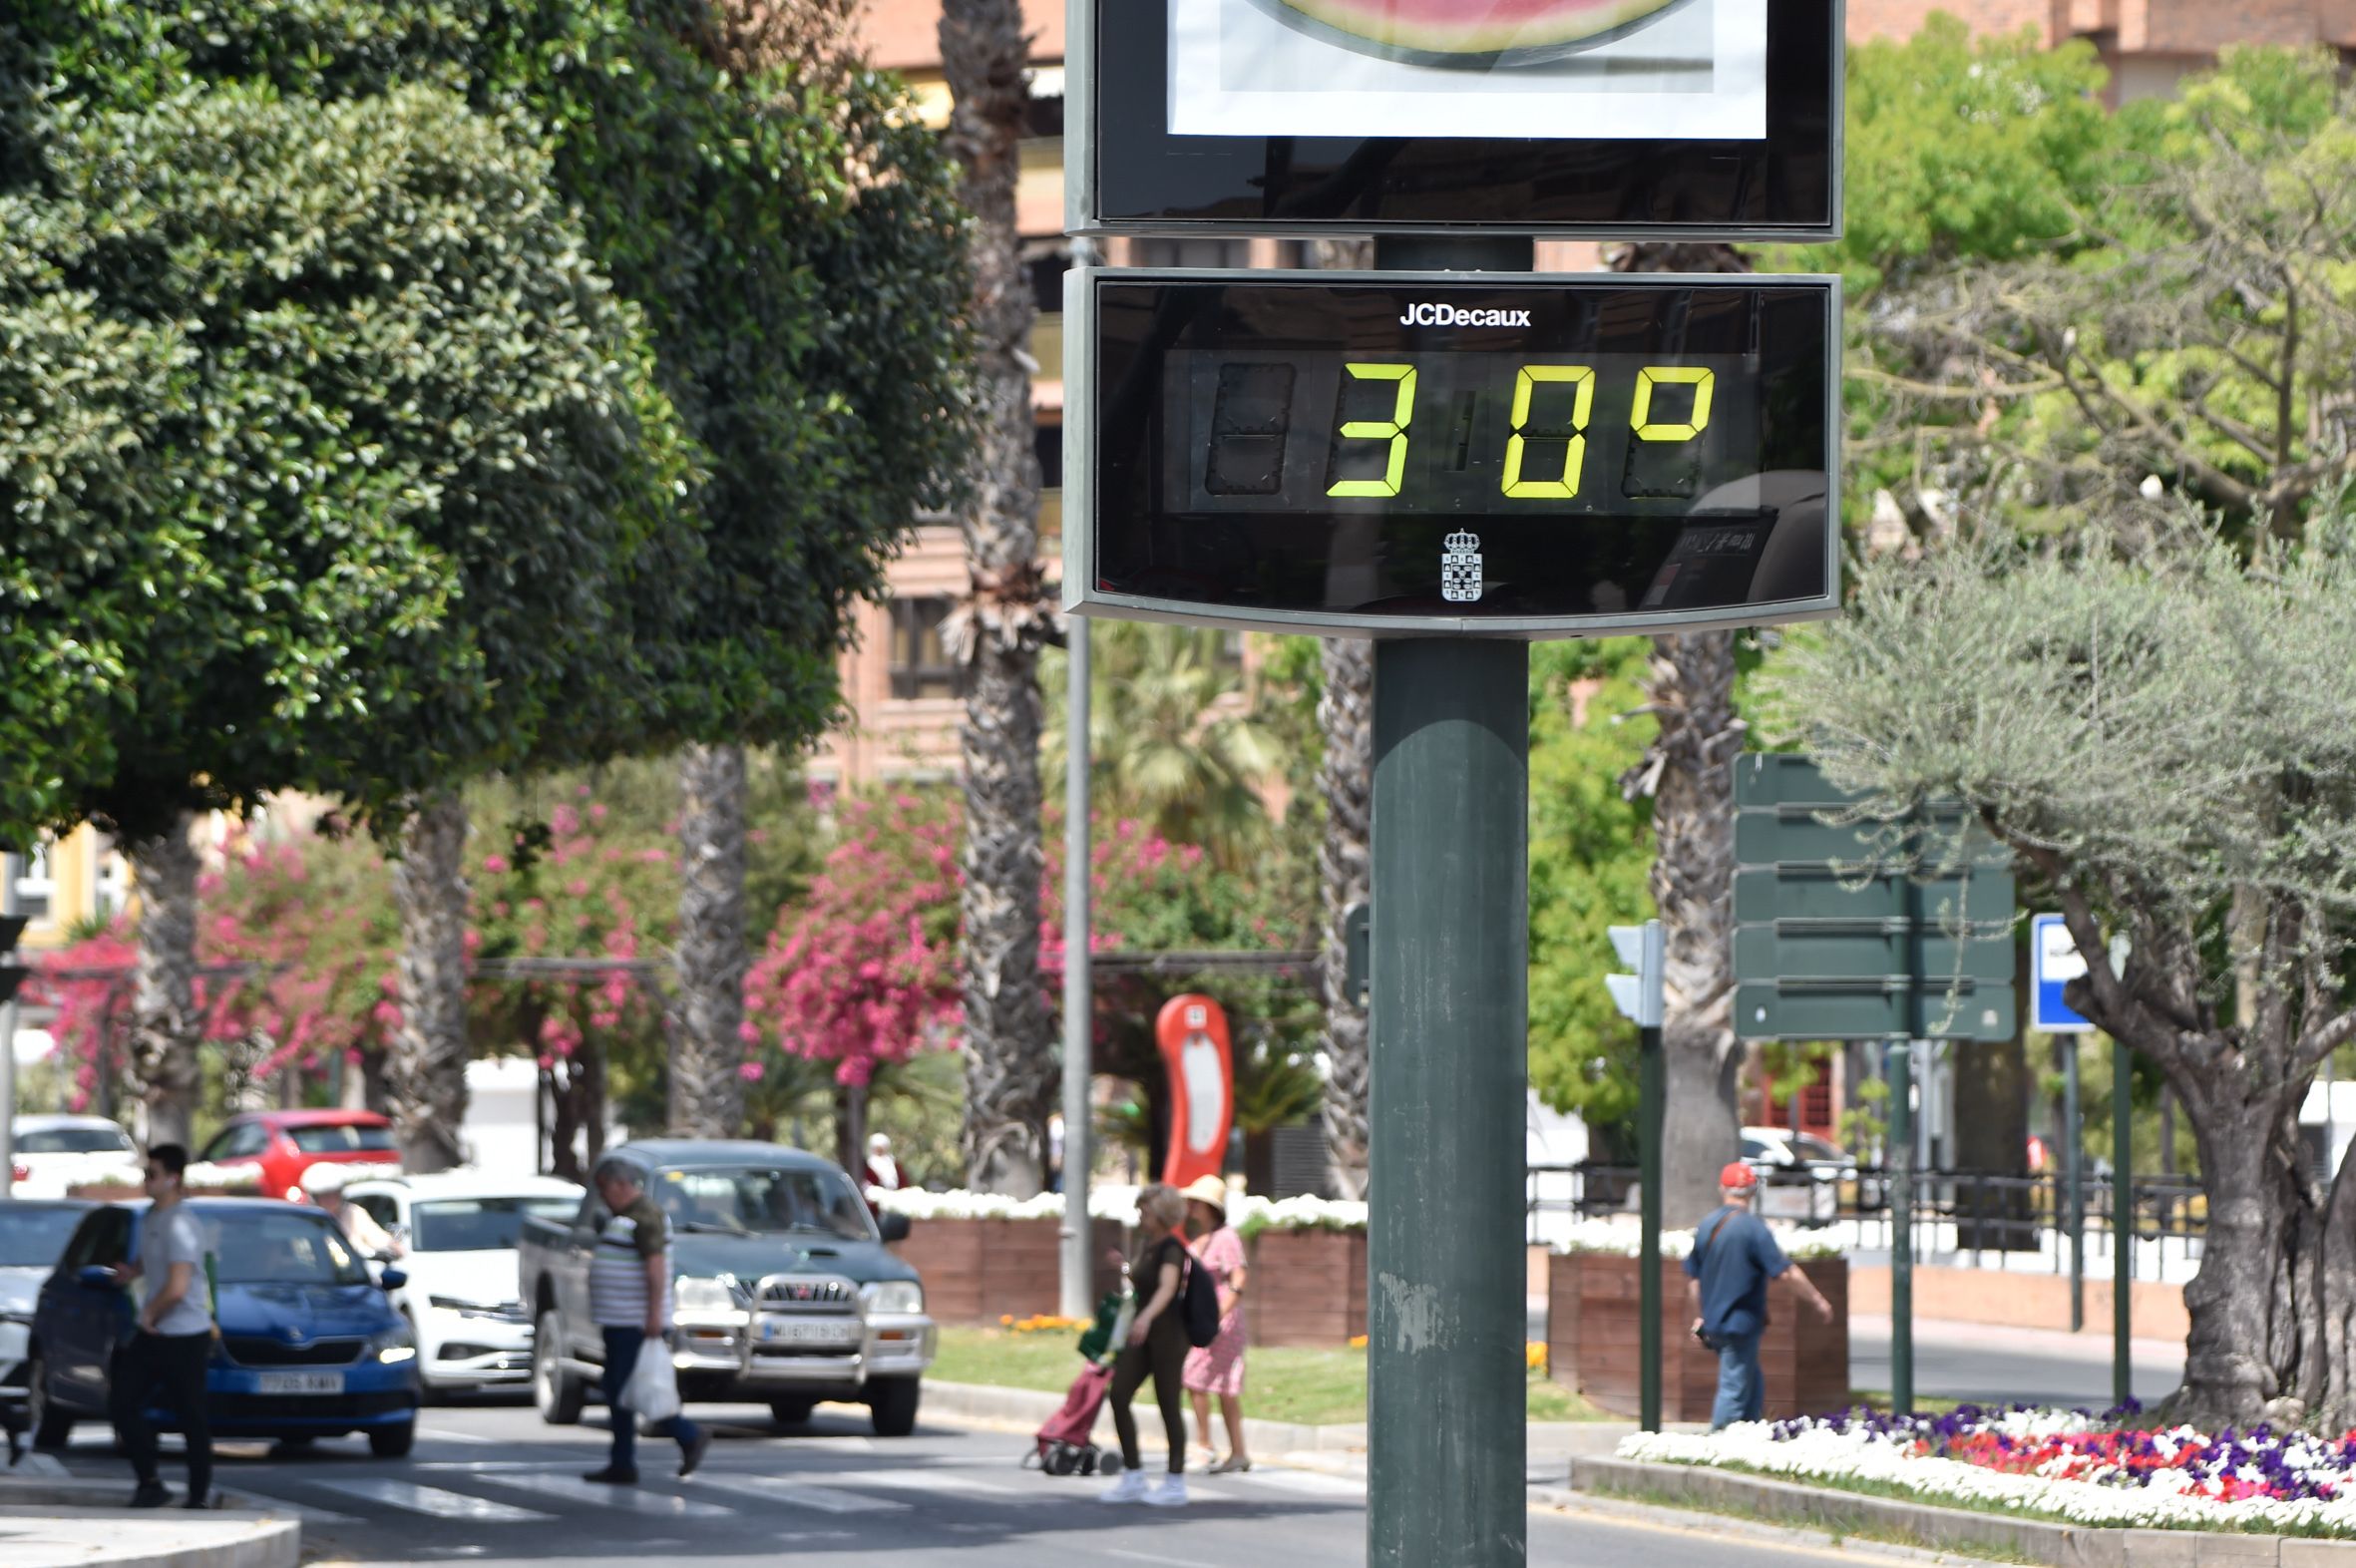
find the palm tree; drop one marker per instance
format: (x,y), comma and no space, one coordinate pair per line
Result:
(1171,742)
(1690,774)
(1011,1072)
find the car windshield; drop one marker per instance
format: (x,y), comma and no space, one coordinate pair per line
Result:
(341,1139)
(743,1202)
(1812,1147)
(74,1140)
(478,1224)
(267,1247)
(32,1237)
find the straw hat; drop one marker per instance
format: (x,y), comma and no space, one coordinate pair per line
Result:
(1208,1189)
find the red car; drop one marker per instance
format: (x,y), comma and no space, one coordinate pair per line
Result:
(285,1143)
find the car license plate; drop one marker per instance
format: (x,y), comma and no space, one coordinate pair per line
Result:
(302,1383)
(787,1332)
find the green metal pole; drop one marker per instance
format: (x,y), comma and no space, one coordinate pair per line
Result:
(1653,1095)
(1901,1073)
(1446,1413)
(2123,1222)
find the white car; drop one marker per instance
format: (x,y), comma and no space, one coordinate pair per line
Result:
(33,1234)
(459,1231)
(54,1152)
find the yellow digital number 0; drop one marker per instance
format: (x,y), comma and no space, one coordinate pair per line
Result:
(1574,457)
(1693,376)
(1392,429)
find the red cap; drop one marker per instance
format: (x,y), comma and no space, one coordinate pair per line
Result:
(1738,1175)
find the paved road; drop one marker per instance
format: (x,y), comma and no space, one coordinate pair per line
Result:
(492,1485)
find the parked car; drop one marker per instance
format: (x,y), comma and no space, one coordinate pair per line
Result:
(782,1289)
(309,1346)
(54,1152)
(283,1144)
(459,1230)
(1800,1174)
(33,1235)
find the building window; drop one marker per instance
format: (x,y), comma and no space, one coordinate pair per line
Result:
(921,667)
(36,888)
(1190,253)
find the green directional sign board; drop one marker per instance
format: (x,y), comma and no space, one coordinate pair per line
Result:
(1853,926)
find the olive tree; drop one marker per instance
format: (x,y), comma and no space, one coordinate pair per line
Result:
(2165,732)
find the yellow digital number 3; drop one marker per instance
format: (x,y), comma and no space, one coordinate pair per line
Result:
(1693,376)
(1392,429)
(1574,457)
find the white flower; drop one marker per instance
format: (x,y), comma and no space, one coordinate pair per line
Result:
(1623,1238)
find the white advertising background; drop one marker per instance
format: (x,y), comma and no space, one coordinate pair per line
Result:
(1697,71)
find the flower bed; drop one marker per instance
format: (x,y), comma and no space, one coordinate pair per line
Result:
(2069,1465)
(202,1180)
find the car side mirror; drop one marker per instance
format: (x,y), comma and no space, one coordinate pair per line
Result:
(393,1279)
(96,1277)
(892,1227)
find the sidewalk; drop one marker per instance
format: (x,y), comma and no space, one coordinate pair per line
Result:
(50,1521)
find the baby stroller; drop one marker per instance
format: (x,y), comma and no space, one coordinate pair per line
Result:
(1064,1447)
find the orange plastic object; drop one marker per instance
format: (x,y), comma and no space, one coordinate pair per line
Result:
(1192,1034)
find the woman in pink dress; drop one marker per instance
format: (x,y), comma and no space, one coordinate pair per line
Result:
(1218,1368)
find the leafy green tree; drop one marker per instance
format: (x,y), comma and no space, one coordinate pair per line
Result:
(323,498)
(2167,734)
(1590,857)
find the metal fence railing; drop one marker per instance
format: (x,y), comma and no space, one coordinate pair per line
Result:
(1978,1215)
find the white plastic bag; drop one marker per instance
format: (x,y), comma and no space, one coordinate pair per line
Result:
(653,1391)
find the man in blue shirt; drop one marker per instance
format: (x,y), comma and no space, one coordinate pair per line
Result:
(1734,1258)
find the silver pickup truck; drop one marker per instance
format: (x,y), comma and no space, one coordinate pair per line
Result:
(782,1290)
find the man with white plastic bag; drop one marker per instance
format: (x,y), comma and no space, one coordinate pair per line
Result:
(629,1299)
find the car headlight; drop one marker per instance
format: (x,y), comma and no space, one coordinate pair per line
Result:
(8,1314)
(394,1346)
(893,1296)
(705,1297)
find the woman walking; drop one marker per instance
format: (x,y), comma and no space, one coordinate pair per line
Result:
(1156,1348)
(1218,1368)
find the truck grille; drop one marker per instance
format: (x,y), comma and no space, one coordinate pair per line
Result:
(806,1293)
(253,1351)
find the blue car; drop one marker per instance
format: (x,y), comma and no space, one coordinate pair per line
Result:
(309,1344)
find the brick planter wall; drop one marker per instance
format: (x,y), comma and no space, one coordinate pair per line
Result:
(1592,1334)
(1307,1288)
(976,1272)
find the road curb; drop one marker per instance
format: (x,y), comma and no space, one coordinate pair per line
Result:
(1959,1529)
(81,1525)
(1736,1527)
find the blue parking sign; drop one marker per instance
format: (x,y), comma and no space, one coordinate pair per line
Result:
(2055,961)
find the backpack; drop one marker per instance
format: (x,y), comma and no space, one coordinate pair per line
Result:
(1200,1297)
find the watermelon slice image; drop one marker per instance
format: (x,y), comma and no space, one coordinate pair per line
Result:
(1475,33)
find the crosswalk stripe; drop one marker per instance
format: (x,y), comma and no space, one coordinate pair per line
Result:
(432,1500)
(924,1481)
(436,1434)
(631,1499)
(798,1494)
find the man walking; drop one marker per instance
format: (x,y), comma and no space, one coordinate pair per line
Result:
(629,1299)
(1734,1257)
(173,1340)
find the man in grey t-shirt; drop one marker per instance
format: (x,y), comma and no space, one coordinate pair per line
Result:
(173,1340)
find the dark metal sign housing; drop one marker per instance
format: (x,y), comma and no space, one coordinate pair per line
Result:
(1485,455)
(1575,155)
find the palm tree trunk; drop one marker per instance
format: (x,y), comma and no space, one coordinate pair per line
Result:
(164,1020)
(1346,780)
(706,1090)
(1010,1075)
(425,1069)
